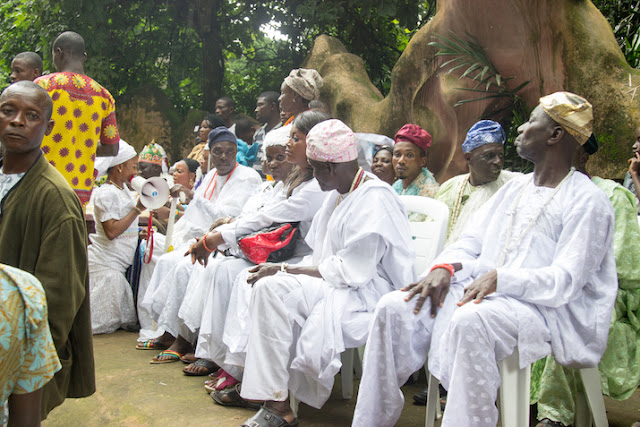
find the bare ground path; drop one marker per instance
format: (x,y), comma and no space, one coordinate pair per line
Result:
(132,392)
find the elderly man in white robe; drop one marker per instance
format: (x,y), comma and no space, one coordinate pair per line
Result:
(208,293)
(223,193)
(305,315)
(533,272)
(483,149)
(296,202)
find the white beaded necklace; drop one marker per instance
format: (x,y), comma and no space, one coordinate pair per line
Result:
(512,213)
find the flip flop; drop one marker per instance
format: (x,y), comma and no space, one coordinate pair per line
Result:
(233,398)
(268,418)
(189,358)
(208,366)
(221,381)
(152,344)
(174,357)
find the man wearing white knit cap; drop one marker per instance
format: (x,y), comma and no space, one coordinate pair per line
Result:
(532,272)
(358,256)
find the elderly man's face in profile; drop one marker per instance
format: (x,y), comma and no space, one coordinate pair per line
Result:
(533,135)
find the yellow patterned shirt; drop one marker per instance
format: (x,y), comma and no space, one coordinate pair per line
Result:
(28,358)
(84,115)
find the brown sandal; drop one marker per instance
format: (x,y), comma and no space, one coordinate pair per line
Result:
(231,397)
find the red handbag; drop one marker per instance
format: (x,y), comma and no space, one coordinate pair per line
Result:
(273,244)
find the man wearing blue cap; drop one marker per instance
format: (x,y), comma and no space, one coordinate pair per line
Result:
(223,193)
(464,194)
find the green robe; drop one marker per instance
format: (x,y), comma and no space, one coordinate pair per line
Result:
(554,386)
(42,231)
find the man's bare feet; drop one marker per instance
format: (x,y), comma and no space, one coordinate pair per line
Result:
(160,343)
(179,346)
(200,367)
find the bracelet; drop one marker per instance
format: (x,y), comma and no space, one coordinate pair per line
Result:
(137,210)
(283,267)
(204,242)
(446,267)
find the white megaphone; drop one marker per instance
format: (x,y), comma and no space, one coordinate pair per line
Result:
(154,192)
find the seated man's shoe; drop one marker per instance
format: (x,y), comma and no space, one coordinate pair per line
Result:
(421,397)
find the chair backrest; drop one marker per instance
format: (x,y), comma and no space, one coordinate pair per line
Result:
(429,235)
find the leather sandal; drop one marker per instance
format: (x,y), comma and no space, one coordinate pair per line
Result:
(231,397)
(267,418)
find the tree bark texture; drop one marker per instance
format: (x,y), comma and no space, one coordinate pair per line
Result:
(553,44)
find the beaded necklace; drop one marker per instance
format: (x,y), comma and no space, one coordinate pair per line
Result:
(215,182)
(457,207)
(355,184)
(512,213)
(114,184)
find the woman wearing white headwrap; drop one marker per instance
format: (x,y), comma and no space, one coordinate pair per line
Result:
(113,245)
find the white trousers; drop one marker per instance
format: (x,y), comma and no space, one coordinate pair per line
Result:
(272,337)
(220,281)
(475,337)
(159,292)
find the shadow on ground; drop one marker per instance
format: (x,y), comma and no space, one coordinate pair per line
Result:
(132,392)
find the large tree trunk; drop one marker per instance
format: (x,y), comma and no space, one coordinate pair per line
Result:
(553,44)
(208,29)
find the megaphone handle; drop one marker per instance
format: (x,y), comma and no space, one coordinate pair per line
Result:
(149,252)
(172,220)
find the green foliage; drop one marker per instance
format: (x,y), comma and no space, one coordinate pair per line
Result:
(376,31)
(26,25)
(624,17)
(258,69)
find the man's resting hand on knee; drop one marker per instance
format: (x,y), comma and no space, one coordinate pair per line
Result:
(480,288)
(435,285)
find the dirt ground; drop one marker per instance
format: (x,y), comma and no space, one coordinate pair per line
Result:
(132,392)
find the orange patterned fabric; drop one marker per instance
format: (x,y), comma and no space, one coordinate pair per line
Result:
(84,114)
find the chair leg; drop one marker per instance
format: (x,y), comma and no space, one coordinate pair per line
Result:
(583,416)
(593,392)
(358,357)
(514,392)
(433,400)
(347,357)
(293,403)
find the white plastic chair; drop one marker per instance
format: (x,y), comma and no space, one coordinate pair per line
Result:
(428,239)
(513,396)
(428,236)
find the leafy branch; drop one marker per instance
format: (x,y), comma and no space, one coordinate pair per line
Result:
(468,56)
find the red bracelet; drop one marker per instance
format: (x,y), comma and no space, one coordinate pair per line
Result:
(204,242)
(446,267)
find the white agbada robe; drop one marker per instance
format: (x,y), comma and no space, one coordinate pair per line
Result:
(191,308)
(300,324)
(555,294)
(304,202)
(202,301)
(218,196)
